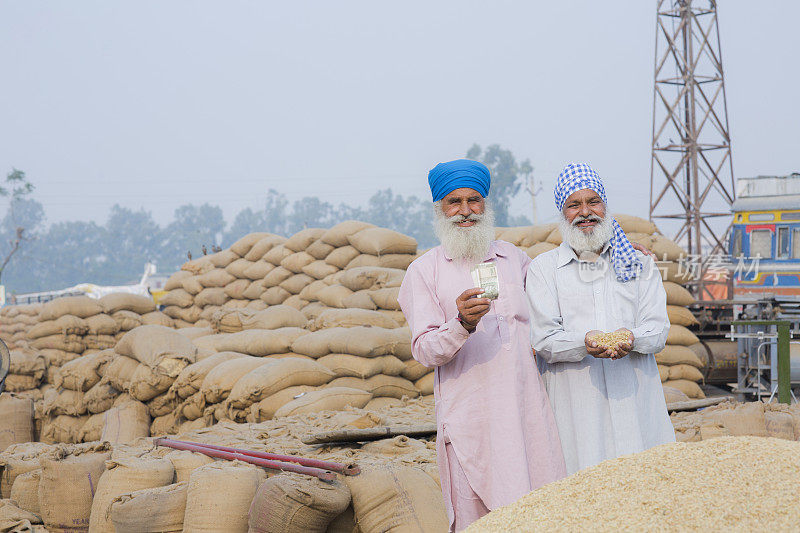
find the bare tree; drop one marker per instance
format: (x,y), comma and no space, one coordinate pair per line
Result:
(15,188)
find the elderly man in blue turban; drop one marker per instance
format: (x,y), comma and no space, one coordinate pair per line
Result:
(606,394)
(496,438)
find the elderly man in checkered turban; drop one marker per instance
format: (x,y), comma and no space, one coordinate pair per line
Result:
(606,393)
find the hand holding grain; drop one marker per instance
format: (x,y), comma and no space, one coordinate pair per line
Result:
(471,309)
(594,347)
(615,345)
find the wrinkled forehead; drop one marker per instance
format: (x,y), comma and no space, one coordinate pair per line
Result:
(583,195)
(463,193)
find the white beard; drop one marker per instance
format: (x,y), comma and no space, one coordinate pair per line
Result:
(586,242)
(470,244)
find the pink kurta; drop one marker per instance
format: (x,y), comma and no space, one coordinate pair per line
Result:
(490,400)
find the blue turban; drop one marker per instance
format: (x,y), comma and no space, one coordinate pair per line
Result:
(444,178)
(578,176)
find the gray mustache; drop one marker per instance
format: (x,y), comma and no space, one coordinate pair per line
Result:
(591,218)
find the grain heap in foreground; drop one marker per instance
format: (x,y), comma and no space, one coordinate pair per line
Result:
(723,484)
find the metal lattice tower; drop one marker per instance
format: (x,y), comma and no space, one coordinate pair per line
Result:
(691,171)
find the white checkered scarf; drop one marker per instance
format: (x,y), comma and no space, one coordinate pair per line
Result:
(577,176)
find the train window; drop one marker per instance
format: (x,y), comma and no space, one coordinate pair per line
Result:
(737,243)
(796,243)
(761,243)
(762,217)
(791,216)
(783,243)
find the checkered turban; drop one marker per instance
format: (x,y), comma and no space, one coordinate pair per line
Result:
(577,176)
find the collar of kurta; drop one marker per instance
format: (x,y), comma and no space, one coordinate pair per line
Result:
(567,254)
(493,253)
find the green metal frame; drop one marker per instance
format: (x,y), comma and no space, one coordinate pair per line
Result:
(784,363)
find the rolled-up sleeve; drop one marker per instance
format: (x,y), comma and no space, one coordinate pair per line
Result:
(434,339)
(652,328)
(548,337)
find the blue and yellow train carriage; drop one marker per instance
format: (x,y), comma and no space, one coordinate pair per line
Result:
(765,241)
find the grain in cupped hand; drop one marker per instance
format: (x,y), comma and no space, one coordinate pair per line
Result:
(721,484)
(612,339)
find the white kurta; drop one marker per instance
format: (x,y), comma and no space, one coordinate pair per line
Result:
(603,408)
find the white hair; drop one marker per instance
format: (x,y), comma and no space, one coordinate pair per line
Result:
(468,244)
(581,241)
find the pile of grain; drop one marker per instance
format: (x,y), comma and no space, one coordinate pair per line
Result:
(682,361)
(724,484)
(15,321)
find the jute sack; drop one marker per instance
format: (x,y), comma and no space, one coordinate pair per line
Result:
(425,383)
(191,378)
(518,235)
(19,459)
(102,324)
(28,363)
(334,295)
(185,462)
(634,224)
(276,317)
(341,257)
(122,476)
(84,372)
(16,422)
(277,254)
(685,372)
(539,248)
(396,261)
(206,511)
(120,301)
(119,372)
(157,346)
(25,491)
(258,270)
(64,325)
(210,296)
(69,477)
(174,281)
(268,379)
(238,267)
(62,428)
(343,365)
(319,269)
(275,296)
(414,370)
(259,342)
(80,306)
(296,504)
(399,445)
(303,239)
(677,295)
(663,373)
(133,512)
(266,408)
(371,278)
(678,355)
(675,272)
(178,298)
(67,343)
(254,290)
(165,425)
(198,266)
(157,318)
(242,246)
(220,380)
(376,494)
(672,395)
(348,318)
(235,289)
(163,404)
(192,407)
(294,263)
(739,420)
(386,298)
(379,386)
(689,388)
(262,246)
(14,519)
(295,284)
(20,383)
(216,278)
(126,423)
(537,233)
(63,402)
(379,241)
(364,341)
(146,383)
(680,335)
(319,249)
(277,276)
(338,234)
(92,429)
(192,285)
(99,342)
(665,249)
(328,399)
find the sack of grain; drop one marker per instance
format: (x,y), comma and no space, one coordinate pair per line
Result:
(92,429)
(191,378)
(80,306)
(158,347)
(338,235)
(157,318)
(303,239)
(16,422)
(163,404)
(185,462)
(258,270)
(262,246)
(168,424)
(328,399)
(58,357)
(295,284)
(379,386)
(296,262)
(739,420)
(222,259)
(347,318)
(26,363)
(319,269)
(266,408)
(678,355)
(178,298)
(681,316)
(277,254)
(14,519)
(377,490)
(371,278)
(126,423)
(69,477)
(319,250)
(663,373)
(102,324)
(689,388)
(665,249)
(62,428)
(25,491)
(379,241)
(634,224)
(259,342)
(174,281)
(268,379)
(673,395)
(677,295)
(238,267)
(220,380)
(119,372)
(64,402)
(206,511)
(414,370)
(133,512)
(84,372)
(675,272)
(216,278)
(122,476)
(343,365)
(399,445)
(685,372)
(341,257)
(296,504)
(242,246)
(275,296)
(120,301)
(425,383)
(680,335)
(18,459)
(19,383)
(386,298)
(64,325)
(67,343)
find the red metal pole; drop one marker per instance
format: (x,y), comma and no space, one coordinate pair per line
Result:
(348,470)
(233,456)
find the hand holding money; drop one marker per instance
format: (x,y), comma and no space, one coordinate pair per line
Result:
(485,276)
(471,308)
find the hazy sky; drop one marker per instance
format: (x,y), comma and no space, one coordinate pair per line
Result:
(154,104)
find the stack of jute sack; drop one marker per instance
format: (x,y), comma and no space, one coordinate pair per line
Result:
(681,363)
(736,419)
(15,321)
